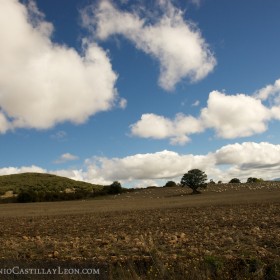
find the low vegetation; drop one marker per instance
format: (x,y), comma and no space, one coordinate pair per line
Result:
(254,180)
(170,184)
(234,181)
(37,187)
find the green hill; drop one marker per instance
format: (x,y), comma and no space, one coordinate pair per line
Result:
(41,184)
(21,181)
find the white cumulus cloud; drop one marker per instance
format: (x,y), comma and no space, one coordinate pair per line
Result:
(241,160)
(233,116)
(249,153)
(164,164)
(159,127)
(43,83)
(250,159)
(177,44)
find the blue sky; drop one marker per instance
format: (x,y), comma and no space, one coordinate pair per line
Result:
(139,92)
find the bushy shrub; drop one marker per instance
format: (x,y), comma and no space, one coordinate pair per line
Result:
(114,188)
(234,181)
(254,180)
(27,196)
(170,184)
(49,194)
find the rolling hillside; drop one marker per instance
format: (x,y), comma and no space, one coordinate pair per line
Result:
(17,182)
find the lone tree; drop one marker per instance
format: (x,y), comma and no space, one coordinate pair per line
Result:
(194,179)
(114,188)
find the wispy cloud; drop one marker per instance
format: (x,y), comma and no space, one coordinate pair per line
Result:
(65,158)
(197,3)
(122,103)
(59,135)
(271,92)
(196,103)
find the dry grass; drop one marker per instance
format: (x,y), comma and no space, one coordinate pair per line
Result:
(152,234)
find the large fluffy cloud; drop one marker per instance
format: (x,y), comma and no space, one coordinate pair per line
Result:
(43,83)
(250,159)
(231,116)
(249,154)
(240,160)
(235,115)
(164,164)
(175,43)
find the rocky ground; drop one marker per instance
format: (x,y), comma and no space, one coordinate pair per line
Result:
(221,241)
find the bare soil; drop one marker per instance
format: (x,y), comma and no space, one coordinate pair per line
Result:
(228,232)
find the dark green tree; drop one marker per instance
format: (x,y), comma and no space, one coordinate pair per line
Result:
(114,188)
(28,195)
(170,184)
(194,179)
(234,181)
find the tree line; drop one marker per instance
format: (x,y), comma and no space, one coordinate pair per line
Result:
(32,194)
(196,179)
